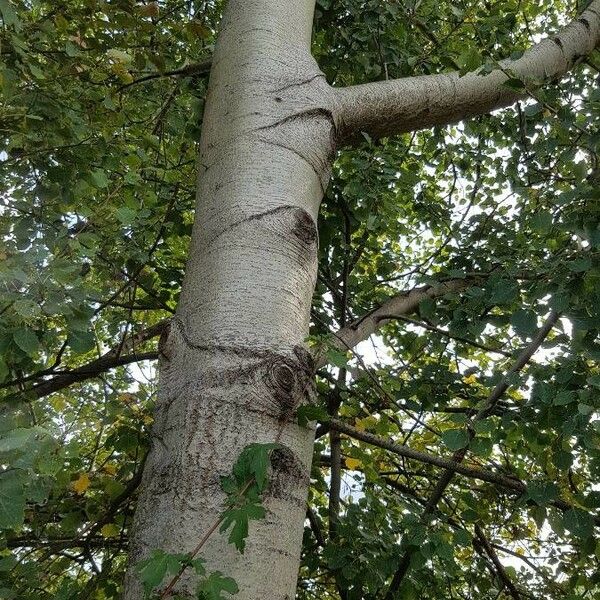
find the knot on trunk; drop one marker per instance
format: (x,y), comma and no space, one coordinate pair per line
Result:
(289,381)
(305,228)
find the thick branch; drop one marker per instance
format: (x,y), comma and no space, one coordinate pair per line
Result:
(402,304)
(123,354)
(510,483)
(400,105)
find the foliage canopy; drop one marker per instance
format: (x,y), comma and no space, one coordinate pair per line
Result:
(101,115)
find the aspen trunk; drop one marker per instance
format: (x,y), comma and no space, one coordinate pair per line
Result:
(233,365)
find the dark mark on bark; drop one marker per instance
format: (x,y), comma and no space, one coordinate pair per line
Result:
(309,113)
(288,472)
(585,23)
(299,83)
(305,228)
(165,349)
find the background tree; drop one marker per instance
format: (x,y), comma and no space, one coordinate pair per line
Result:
(455,458)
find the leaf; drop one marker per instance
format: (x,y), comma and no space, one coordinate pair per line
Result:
(542,492)
(126,215)
(15,438)
(214,585)
(533,109)
(352,463)
(81,341)
(26,340)
(12,500)
(469,59)
(81,484)
(427,309)
(153,569)
(99,179)
(110,530)
(119,56)
(579,523)
(9,16)
(455,439)
(564,397)
(524,322)
(253,463)
(309,412)
(239,518)
(337,358)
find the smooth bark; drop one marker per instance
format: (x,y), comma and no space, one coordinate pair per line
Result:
(233,365)
(395,106)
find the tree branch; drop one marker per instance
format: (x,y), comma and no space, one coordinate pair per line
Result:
(401,105)
(459,455)
(201,68)
(498,566)
(402,304)
(111,359)
(511,483)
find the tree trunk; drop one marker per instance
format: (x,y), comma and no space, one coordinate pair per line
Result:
(233,365)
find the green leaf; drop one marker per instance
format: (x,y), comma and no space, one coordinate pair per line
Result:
(427,309)
(126,215)
(99,179)
(579,523)
(26,340)
(212,587)
(12,500)
(309,412)
(239,518)
(81,341)
(533,109)
(564,397)
(153,569)
(542,492)
(524,322)
(337,358)
(253,463)
(9,16)
(455,439)
(469,59)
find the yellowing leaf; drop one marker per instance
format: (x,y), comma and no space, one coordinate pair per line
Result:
(149,10)
(148,420)
(81,484)
(58,403)
(352,463)
(365,424)
(359,424)
(110,469)
(470,380)
(110,530)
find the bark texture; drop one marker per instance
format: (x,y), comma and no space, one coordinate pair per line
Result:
(233,366)
(389,107)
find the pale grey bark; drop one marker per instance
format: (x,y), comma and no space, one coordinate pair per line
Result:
(233,366)
(395,106)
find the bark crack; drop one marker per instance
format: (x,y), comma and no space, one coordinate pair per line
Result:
(303,115)
(299,83)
